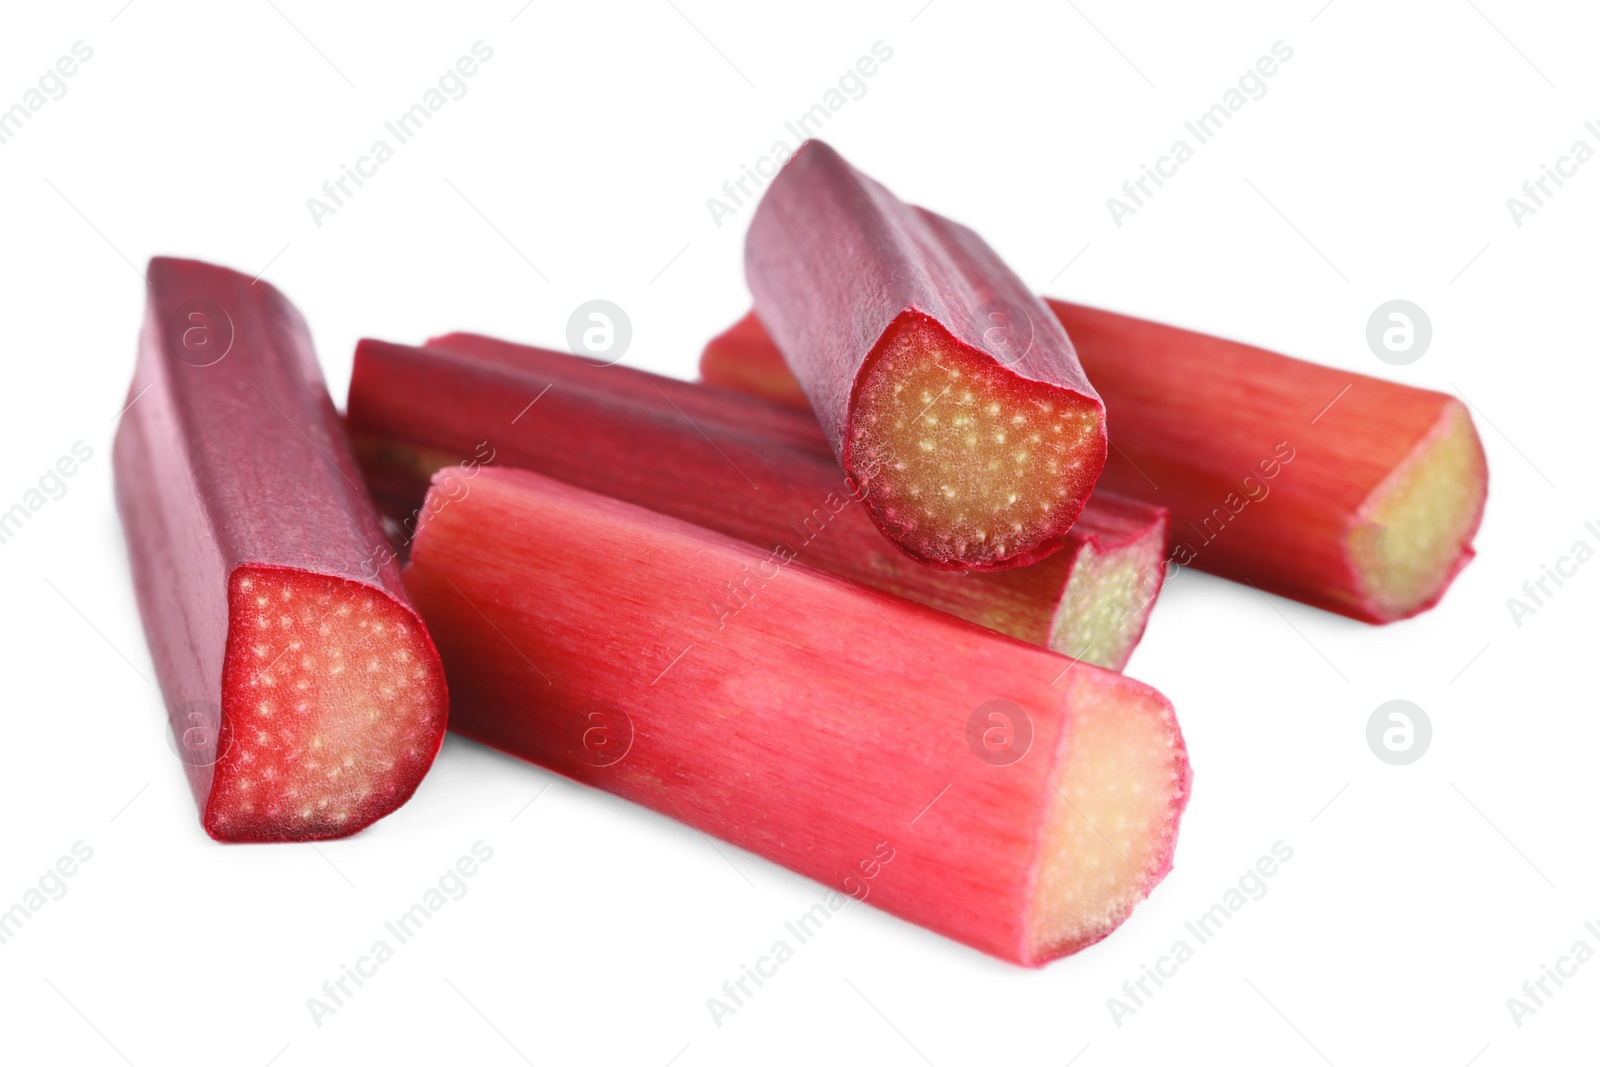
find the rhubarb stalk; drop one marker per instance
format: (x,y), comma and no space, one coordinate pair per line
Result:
(306,697)
(1346,492)
(1026,802)
(947,391)
(750,469)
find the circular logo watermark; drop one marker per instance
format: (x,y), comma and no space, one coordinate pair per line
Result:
(599,332)
(1007,330)
(1399,732)
(604,733)
(1399,332)
(999,732)
(201,332)
(194,734)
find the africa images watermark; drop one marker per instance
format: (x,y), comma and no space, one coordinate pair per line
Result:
(1538,590)
(52,485)
(1251,885)
(51,85)
(1252,85)
(736,192)
(1536,992)
(736,992)
(51,885)
(403,128)
(451,885)
(1537,191)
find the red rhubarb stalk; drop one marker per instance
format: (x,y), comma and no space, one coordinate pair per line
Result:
(734,463)
(1347,492)
(305,696)
(1026,802)
(947,391)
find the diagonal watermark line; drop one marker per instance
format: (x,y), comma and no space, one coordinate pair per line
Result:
(1296,629)
(1320,10)
(1296,229)
(714,48)
(270,262)
(532,402)
(91,1025)
(496,229)
(685,1048)
(932,402)
(279,1056)
(96,629)
(1329,804)
(918,15)
(529,804)
(930,804)
(132,402)
(1108,41)
(497,630)
(1062,271)
(671,665)
(1332,402)
(885,1018)
(1085,1048)
(1508,41)
(129,804)
(335,866)
(1503,837)
(93,227)
(709,839)
(1502,433)
(521,9)
(1471,661)
(1470,262)
(1135,466)
(1475,1059)
(308,41)
(120,10)
(308,440)
(659,273)
(1291,1026)
(702,433)
(1071,663)
(489,1024)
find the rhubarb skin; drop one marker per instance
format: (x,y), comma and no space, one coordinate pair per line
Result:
(1372,518)
(699,453)
(305,696)
(948,392)
(824,727)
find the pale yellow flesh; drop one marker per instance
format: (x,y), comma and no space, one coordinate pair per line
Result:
(1420,519)
(1103,611)
(1112,823)
(962,456)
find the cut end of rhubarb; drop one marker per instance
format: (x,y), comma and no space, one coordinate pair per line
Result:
(962,461)
(1113,824)
(1418,525)
(1105,608)
(333,707)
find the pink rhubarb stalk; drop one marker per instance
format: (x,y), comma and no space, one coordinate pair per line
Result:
(992,791)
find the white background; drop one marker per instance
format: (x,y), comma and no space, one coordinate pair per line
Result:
(577,166)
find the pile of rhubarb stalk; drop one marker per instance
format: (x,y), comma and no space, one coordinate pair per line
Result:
(895,548)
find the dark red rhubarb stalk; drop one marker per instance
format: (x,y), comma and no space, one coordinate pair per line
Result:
(1347,492)
(303,691)
(947,391)
(750,469)
(1000,794)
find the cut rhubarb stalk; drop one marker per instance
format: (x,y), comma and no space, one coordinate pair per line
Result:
(1350,493)
(305,696)
(1025,807)
(948,392)
(747,468)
